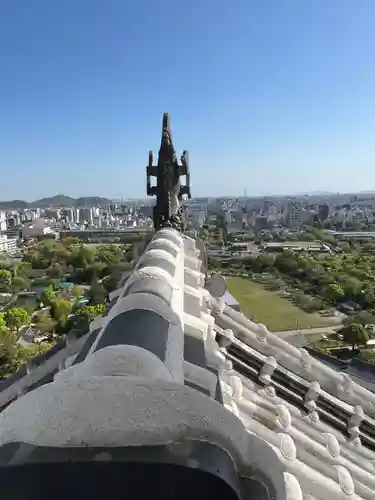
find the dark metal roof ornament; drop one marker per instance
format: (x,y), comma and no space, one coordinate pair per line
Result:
(168,212)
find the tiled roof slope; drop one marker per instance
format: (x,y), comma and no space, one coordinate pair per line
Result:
(175,374)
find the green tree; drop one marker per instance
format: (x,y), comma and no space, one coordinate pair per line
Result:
(8,358)
(21,269)
(13,356)
(351,286)
(62,253)
(20,283)
(109,254)
(334,293)
(5,280)
(71,241)
(362,318)
(287,262)
(111,282)
(77,291)
(355,334)
(3,324)
(82,319)
(97,294)
(275,284)
(60,309)
(94,272)
(82,256)
(55,271)
(16,317)
(48,296)
(89,313)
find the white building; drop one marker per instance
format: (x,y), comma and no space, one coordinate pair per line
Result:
(8,245)
(12,246)
(3,243)
(3,222)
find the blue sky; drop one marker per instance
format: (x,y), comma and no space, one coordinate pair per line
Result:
(277,96)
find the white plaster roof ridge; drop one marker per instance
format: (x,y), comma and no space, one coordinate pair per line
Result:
(259,402)
(361,451)
(288,355)
(253,391)
(335,400)
(362,480)
(370,419)
(269,394)
(195,327)
(249,349)
(193,291)
(309,475)
(327,457)
(281,350)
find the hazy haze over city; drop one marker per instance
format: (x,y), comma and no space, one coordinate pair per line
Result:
(274,96)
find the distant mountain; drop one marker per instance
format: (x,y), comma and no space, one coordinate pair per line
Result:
(91,201)
(58,200)
(13,205)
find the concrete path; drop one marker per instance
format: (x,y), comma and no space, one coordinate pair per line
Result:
(309,331)
(301,338)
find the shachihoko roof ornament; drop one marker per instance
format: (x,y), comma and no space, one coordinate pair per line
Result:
(169,191)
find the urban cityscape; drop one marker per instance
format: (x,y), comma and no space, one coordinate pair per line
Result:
(95,218)
(244,237)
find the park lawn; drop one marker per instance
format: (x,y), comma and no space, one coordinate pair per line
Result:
(277,313)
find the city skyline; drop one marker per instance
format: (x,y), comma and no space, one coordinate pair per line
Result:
(273,96)
(322,194)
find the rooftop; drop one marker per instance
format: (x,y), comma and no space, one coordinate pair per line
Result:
(174,378)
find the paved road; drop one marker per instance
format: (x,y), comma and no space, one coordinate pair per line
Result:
(309,331)
(300,338)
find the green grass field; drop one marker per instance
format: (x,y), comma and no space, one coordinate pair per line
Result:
(277,313)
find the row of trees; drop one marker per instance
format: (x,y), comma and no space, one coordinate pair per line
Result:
(68,259)
(332,278)
(13,355)
(13,277)
(80,263)
(13,319)
(60,310)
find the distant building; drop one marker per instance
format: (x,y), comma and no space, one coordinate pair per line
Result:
(12,245)
(3,222)
(52,213)
(296,246)
(84,215)
(260,222)
(8,245)
(68,215)
(3,243)
(292,215)
(323,211)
